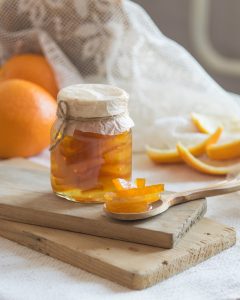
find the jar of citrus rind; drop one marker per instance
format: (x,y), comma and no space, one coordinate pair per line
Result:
(91,141)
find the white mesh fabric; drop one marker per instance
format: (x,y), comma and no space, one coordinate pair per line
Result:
(116,42)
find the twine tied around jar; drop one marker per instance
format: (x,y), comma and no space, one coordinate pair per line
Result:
(63,114)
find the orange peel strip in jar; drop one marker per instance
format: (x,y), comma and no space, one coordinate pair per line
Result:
(84,170)
(117,155)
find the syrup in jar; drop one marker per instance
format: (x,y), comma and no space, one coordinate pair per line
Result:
(91,142)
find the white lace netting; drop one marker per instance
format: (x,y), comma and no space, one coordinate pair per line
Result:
(116,42)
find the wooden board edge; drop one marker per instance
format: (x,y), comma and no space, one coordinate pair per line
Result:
(135,280)
(72,224)
(12,231)
(223,242)
(147,237)
(198,215)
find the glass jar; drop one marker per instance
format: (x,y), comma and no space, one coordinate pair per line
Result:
(91,142)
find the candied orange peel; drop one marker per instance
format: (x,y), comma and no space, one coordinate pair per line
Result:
(201,166)
(209,123)
(224,151)
(164,156)
(122,184)
(214,126)
(140,182)
(130,198)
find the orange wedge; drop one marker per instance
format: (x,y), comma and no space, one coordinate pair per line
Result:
(172,156)
(224,151)
(200,166)
(208,124)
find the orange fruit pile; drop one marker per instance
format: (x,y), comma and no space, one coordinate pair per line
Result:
(30,67)
(28,90)
(27,112)
(214,151)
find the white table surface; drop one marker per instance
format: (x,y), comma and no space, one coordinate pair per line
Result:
(26,274)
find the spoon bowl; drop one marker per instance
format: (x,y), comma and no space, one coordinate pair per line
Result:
(169,199)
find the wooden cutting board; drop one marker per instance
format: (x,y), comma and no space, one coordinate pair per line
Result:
(133,265)
(26,196)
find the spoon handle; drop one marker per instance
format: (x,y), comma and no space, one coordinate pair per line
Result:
(225,187)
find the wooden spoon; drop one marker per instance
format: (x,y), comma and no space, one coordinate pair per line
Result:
(169,199)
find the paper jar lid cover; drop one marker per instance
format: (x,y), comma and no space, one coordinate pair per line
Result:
(94,100)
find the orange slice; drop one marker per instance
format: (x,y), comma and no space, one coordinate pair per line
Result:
(172,156)
(199,165)
(224,151)
(208,123)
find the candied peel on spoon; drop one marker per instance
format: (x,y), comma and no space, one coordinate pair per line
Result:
(132,199)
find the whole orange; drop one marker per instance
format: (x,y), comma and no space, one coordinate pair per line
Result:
(31,67)
(27,113)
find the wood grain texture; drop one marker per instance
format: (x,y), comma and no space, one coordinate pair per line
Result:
(26,196)
(133,265)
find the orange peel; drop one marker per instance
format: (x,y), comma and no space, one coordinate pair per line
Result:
(199,165)
(203,124)
(121,207)
(114,203)
(131,199)
(149,198)
(172,156)
(208,123)
(224,151)
(140,182)
(121,184)
(156,188)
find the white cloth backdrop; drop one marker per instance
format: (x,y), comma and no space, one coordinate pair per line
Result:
(116,42)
